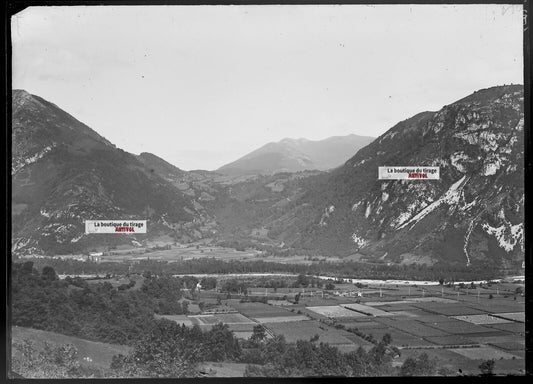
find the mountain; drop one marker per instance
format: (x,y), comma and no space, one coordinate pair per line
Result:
(63,173)
(473,214)
(294,155)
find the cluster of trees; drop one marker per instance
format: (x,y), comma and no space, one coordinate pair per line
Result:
(303,281)
(234,286)
(172,350)
(95,311)
(437,272)
(50,362)
(274,357)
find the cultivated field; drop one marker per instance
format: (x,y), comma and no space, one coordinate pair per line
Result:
(515,316)
(304,330)
(180,319)
(366,309)
(481,319)
(335,311)
(280,319)
(483,353)
(233,318)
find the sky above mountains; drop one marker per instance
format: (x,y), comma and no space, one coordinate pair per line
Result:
(201,86)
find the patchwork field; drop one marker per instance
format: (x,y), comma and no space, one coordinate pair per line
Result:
(431,318)
(461,333)
(449,310)
(495,305)
(362,324)
(510,327)
(515,316)
(281,303)
(509,346)
(335,311)
(233,318)
(259,309)
(366,309)
(280,319)
(483,353)
(450,340)
(381,303)
(462,327)
(412,327)
(481,319)
(403,315)
(432,300)
(304,330)
(204,319)
(399,338)
(502,337)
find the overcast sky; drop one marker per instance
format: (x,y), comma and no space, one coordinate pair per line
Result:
(201,86)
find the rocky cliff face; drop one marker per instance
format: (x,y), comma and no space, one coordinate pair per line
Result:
(64,173)
(474,213)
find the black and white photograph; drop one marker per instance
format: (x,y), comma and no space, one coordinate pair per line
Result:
(267,190)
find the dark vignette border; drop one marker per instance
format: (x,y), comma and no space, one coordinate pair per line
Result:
(12,7)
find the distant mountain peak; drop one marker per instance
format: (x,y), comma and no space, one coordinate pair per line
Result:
(294,155)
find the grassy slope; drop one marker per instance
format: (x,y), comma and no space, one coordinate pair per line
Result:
(100,353)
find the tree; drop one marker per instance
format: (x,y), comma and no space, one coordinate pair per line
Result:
(185,306)
(49,273)
(487,367)
(258,334)
(301,281)
(27,267)
(418,366)
(208,283)
(147,274)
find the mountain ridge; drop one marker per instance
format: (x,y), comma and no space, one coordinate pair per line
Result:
(478,143)
(294,155)
(63,172)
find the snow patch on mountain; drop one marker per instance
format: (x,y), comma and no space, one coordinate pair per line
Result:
(457,158)
(359,240)
(507,235)
(77,238)
(20,243)
(492,164)
(356,205)
(327,212)
(368,210)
